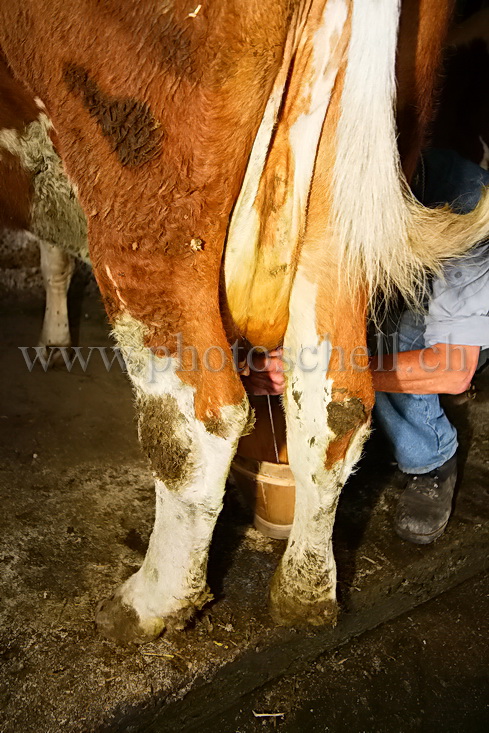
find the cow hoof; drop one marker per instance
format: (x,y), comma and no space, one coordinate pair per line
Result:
(52,355)
(294,606)
(119,622)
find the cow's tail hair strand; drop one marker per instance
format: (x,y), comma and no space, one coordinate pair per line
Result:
(387,239)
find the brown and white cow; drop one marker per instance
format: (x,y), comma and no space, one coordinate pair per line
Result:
(36,195)
(238,167)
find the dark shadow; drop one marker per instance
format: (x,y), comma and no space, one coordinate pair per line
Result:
(458,414)
(80,283)
(357,504)
(233,520)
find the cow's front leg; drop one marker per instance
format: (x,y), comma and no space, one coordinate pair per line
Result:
(190,437)
(327,401)
(57,269)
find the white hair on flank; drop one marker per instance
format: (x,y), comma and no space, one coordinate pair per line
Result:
(386,238)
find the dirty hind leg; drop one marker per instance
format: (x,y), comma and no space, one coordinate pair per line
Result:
(327,412)
(171,584)
(303,589)
(190,459)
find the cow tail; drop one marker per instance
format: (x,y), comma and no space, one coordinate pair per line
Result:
(386,238)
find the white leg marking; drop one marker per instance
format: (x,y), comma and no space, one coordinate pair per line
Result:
(307,572)
(57,268)
(172,579)
(308,395)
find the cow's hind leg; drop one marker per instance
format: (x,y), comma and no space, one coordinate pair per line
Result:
(328,400)
(189,430)
(57,269)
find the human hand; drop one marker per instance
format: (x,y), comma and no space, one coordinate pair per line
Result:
(266,374)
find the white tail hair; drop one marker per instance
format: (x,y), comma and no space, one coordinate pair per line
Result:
(386,237)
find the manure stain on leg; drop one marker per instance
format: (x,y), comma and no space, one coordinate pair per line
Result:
(217,426)
(133,133)
(165,438)
(344,416)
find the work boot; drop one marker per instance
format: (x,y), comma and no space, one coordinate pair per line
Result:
(425,504)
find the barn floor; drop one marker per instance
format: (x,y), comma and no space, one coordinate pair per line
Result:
(77,511)
(425,671)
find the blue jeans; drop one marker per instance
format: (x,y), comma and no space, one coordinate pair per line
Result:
(420,433)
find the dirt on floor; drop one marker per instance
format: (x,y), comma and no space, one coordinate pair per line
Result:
(77,504)
(427,671)
(77,500)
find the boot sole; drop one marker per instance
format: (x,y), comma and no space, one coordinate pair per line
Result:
(420,539)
